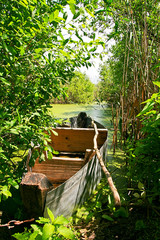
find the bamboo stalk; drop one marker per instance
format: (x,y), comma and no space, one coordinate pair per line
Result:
(105,170)
(113,141)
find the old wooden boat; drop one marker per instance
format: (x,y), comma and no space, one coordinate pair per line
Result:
(65,182)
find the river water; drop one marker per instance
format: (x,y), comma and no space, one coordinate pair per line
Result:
(100,113)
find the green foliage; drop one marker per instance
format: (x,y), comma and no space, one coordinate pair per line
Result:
(38,55)
(48,229)
(144,157)
(108,88)
(139,225)
(100,206)
(80,89)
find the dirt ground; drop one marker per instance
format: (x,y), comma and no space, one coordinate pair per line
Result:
(141,224)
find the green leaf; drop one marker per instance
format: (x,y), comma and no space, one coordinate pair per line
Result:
(60,34)
(61,220)
(76,15)
(43,220)
(148,107)
(54,132)
(141,186)
(50,214)
(5,46)
(22,236)
(51,17)
(107,217)
(50,156)
(3,156)
(65,41)
(33,236)
(157,83)
(56,13)
(93,49)
(98,204)
(5,191)
(136,195)
(36,228)
(158,116)
(42,157)
(22,50)
(121,212)
(78,36)
(13,183)
(14,131)
(6,82)
(72,6)
(66,232)
(143,194)
(89,12)
(48,231)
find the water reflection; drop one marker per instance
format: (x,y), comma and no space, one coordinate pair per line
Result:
(100,113)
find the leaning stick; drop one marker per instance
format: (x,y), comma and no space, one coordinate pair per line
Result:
(106,172)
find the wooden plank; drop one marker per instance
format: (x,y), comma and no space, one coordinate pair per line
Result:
(58,169)
(76,139)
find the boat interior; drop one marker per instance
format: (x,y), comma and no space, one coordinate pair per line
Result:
(75,148)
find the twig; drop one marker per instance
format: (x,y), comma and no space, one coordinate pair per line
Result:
(107,173)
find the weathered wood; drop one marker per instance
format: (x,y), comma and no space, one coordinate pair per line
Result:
(88,155)
(75,176)
(105,170)
(76,140)
(34,187)
(58,169)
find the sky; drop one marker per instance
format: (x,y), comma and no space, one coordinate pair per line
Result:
(93,71)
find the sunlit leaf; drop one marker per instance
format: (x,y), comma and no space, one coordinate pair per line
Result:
(50,214)
(5,191)
(72,6)
(56,13)
(140,185)
(66,232)
(89,12)
(48,231)
(51,17)
(61,220)
(6,82)
(157,83)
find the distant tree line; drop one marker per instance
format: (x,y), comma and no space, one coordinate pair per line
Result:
(78,90)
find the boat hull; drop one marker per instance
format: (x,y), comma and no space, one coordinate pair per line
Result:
(70,195)
(64,183)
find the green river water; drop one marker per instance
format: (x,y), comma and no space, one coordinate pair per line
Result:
(100,113)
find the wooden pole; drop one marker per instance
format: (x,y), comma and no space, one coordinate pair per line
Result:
(106,172)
